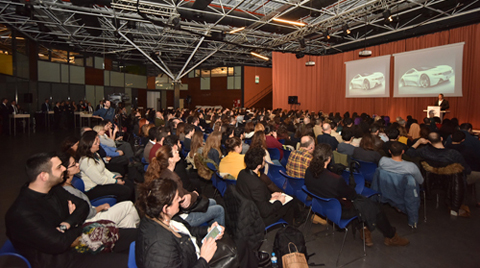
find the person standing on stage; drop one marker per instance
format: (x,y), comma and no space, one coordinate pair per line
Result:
(443,103)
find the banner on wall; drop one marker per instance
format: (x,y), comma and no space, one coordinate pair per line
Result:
(429,72)
(368,78)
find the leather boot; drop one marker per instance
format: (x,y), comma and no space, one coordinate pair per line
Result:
(396,240)
(368,237)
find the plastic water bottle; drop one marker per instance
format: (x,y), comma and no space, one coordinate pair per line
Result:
(274,260)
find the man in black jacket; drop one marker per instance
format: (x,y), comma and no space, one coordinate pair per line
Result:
(45,221)
(272,206)
(443,103)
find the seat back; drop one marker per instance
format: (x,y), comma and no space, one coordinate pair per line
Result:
(78,183)
(8,250)
(286,155)
(275,176)
(359,180)
(218,182)
(131,256)
(294,188)
(367,169)
(274,153)
(329,208)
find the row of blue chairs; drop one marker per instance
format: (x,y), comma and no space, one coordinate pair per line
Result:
(328,208)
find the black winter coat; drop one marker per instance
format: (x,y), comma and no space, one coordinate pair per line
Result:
(157,246)
(243,218)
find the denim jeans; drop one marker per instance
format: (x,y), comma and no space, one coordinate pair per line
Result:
(214,213)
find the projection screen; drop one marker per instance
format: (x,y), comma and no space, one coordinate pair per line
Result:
(429,72)
(369,78)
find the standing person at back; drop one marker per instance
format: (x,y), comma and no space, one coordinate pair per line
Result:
(106,112)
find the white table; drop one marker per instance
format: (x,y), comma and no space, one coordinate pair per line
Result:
(14,117)
(84,115)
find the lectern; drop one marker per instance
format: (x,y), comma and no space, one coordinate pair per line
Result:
(434,111)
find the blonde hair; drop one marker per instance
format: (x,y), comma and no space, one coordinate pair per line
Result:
(98,128)
(214,141)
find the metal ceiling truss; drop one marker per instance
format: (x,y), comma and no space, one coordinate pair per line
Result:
(177,36)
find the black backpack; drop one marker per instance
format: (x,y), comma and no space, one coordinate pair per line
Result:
(283,237)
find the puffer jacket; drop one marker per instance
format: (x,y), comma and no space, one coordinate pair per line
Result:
(243,218)
(447,177)
(158,246)
(400,191)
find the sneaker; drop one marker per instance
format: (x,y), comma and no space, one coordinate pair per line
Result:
(396,240)
(368,237)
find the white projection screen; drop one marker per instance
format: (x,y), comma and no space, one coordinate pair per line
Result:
(429,72)
(368,78)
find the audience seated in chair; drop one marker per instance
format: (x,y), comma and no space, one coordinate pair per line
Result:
(163,166)
(320,181)
(233,162)
(472,157)
(437,156)
(165,241)
(396,164)
(271,206)
(326,137)
(45,221)
(299,160)
(123,214)
(98,180)
(366,151)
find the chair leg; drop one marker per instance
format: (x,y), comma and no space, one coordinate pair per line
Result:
(424,206)
(341,249)
(364,249)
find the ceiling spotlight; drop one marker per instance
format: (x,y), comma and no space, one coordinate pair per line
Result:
(236,30)
(326,35)
(297,23)
(302,43)
(259,56)
(346,30)
(387,15)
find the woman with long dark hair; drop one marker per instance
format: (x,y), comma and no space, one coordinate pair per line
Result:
(123,214)
(98,180)
(366,152)
(162,166)
(166,242)
(320,181)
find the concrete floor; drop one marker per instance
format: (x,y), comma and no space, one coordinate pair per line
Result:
(442,241)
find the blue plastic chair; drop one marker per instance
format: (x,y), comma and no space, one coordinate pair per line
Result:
(331,209)
(131,256)
(360,187)
(218,182)
(274,153)
(294,188)
(275,176)
(367,169)
(8,250)
(79,185)
(286,155)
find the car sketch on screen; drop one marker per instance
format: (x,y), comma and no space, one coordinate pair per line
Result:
(367,81)
(426,76)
